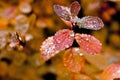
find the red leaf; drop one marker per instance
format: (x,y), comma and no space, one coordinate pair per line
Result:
(75,8)
(62,12)
(112,72)
(63,39)
(73,60)
(89,22)
(48,48)
(88,43)
(52,45)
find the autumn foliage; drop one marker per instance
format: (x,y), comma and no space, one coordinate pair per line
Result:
(64,38)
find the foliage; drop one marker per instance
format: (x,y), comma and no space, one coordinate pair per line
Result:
(64,39)
(25,25)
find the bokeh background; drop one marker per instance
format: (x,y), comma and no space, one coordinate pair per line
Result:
(36,20)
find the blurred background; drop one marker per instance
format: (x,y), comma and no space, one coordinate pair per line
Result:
(35,20)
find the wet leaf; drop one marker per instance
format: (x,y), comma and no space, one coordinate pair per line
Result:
(73,60)
(112,72)
(63,39)
(90,22)
(62,12)
(88,43)
(48,48)
(75,8)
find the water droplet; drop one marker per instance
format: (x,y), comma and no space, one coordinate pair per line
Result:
(87,39)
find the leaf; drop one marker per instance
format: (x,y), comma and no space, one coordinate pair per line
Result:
(73,60)
(62,12)
(88,43)
(52,45)
(112,72)
(75,8)
(63,39)
(48,48)
(89,22)
(80,77)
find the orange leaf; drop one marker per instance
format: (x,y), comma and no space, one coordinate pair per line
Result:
(73,60)
(112,72)
(88,43)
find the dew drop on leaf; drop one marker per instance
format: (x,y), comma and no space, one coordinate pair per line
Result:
(48,48)
(62,12)
(73,61)
(63,39)
(90,22)
(88,43)
(75,8)
(112,72)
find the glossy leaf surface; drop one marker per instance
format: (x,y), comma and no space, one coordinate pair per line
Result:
(63,39)
(52,45)
(48,48)
(88,43)
(75,8)
(112,72)
(73,60)
(62,12)
(90,22)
